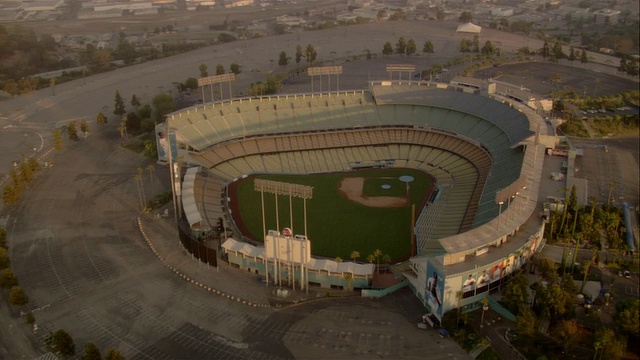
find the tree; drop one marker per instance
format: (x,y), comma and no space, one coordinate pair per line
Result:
(91,352)
(381,15)
(118,107)
(602,339)
(4,259)
(162,105)
(427,48)
(548,268)
(25,172)
(17,296)
(515,295)
(298,54)
(355,255)
(557,51)
(371,258)
(348,277)
(101,119)
(387,49)
(545,51)
(150,169)
(102,58)
(30,318)
(72,131)
(57,139)
(465,45)
(124,50)
(488,49)
(401,46)
(377,253)
(465,17)
(411,47)
(61,343)
(284,59)
(310,54)
(235,68)
(566,331)
(134,101)
(583,57)
(11,194)
(476,43)
(526,322)
(113,354)
(203,70)
(398,15)
(627,316)
(572,54)
(219,69)
(8,279)
(122,128)
(84,126)
(141,193)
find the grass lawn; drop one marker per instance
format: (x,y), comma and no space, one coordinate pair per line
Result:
(336,226)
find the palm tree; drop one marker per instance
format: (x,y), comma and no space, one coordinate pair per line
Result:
(143,197)
(377,253)
(150,168)
(348,277)
(459,297)
(355,255)
(386,259)
(138,181)
(371,258)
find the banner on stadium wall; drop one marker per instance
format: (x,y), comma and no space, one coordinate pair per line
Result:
(435,290)
(162,144)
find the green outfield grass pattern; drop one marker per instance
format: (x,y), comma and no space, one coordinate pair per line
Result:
(337,226)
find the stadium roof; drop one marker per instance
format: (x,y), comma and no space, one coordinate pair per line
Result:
(512,122)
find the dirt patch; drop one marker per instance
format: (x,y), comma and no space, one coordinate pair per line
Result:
(351,188)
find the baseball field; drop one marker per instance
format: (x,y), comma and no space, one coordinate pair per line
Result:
(359,211)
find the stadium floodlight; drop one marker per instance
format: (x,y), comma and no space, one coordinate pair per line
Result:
(216,79)
(283,188)
(400,68)
(325,70)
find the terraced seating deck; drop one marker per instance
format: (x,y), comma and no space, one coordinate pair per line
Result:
(463,140)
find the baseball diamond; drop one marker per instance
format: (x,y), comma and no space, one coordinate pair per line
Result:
(409,168)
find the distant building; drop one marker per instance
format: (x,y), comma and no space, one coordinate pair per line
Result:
(606,16)
(575,12)
(501,12)
(238,3)
(469,28)
(290,20)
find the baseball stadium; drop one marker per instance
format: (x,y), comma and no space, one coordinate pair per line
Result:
(319,189)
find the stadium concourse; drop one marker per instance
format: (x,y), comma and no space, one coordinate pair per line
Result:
(484,154)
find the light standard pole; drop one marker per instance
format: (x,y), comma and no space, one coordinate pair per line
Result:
(499,213)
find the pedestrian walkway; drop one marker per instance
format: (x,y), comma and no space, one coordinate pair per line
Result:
(161,235)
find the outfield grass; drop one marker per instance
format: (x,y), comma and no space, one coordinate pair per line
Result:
(336,226)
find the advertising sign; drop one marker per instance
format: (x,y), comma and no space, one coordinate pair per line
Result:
(435,290)
(469,283)
(162,144)
(484,279)
(496,272)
